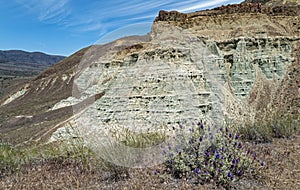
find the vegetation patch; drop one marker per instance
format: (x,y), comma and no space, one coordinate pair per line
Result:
(204,154)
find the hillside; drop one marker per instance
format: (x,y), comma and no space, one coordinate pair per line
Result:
(18,66)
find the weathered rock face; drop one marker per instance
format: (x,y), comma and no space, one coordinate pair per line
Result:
(259,47)
(162,82)
(237,62)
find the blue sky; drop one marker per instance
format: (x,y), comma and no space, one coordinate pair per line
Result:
(65,26)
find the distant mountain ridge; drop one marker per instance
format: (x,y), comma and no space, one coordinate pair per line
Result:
(29,57)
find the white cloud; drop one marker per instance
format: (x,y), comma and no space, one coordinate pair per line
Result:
(102,16)
(53,11)
(202,5)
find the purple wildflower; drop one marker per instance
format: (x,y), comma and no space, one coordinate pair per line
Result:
(235,161)
(261,163)
(236,137)
(239,173)
(254,156)
(230,175)
(200,125)
(197,170)
(239,145)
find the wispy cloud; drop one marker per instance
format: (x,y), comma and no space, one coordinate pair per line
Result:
(101,16)
(52,11)
(202,5)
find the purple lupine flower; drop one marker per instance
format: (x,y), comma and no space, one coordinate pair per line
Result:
(164,152)
(239,173)
(261,163)
(199,123)
(191,130)
(229,174)
(235,161)
(254,156)
(197,171)
(239,145)
(217,156)
(236,137)
(230,135)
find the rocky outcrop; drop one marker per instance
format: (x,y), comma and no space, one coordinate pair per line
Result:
(258,46)
(171,16)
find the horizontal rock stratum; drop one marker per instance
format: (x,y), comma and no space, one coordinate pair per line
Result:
(237,62)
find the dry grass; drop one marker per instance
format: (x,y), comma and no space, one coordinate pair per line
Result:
(282,158)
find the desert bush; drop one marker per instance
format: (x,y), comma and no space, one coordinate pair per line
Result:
(10,158)
(140,139)
(275,126)
(119,150)
(207,154)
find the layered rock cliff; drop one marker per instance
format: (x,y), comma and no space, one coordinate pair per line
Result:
(259,46)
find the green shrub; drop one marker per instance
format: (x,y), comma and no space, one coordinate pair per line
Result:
(263,130)
(10,158)
(139,139)
(206,154)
